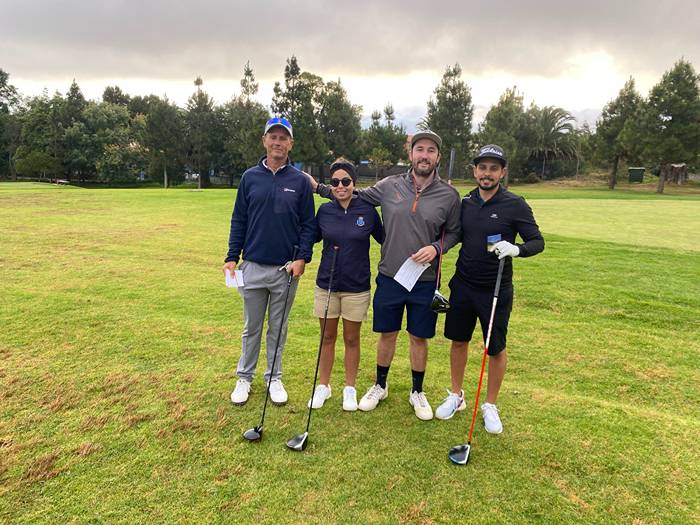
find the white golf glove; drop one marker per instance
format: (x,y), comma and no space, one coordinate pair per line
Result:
(506,249)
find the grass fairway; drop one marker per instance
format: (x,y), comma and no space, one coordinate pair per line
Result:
(118,342)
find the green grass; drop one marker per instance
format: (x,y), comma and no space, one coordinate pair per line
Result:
(118,343)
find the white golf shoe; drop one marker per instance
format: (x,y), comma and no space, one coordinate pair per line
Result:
(372,398)
(492,421)
(321,393)
(452,403)
(239,396)
(278,395)
(421,406)
(349,399)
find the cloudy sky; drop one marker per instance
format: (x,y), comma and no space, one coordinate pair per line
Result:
(576,55)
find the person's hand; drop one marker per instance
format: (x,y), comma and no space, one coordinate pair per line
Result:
(312,182)
(230,266)
(425,255)
(506,249)
(296,268)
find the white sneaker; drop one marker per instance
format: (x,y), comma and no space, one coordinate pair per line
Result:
(372,398)
(239,396)
(278,395)
(349,399)
(321,393)
(491,420)
(452,403)
(421,406)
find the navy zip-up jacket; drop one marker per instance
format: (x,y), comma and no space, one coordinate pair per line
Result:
(273,213)
(506,214)
(349,230)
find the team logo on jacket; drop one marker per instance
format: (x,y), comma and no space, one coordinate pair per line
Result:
(289,189)
(360,221)
(494,216)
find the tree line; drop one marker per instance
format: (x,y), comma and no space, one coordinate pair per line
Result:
(122,136)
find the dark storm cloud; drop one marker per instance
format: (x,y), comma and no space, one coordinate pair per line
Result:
(176,40)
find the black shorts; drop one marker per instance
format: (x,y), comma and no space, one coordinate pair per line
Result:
(390,300)
(467,303)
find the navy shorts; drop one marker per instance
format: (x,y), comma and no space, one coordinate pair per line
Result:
(390,299)
(469,303)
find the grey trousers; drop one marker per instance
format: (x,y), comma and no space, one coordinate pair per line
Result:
(265,288)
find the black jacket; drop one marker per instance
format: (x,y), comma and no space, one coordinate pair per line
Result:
(506,214)
(349,230)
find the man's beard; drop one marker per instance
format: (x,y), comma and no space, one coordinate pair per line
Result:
(423,171)
(492,185)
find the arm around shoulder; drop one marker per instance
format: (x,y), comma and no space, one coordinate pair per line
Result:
(373,194)
(378,229)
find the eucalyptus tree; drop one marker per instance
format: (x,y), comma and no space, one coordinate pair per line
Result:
(450,112)
(669,126)
(200,120)
(610,139)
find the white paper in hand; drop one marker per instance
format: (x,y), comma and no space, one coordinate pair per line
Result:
(409,273)
(235,280)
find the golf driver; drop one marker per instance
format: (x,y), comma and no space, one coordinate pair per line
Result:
(255,433)
(299,442)
(440,304)
(459,455)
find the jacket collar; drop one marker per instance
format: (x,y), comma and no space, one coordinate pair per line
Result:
(475,196)
(353,202)
(263,164)
(408,177)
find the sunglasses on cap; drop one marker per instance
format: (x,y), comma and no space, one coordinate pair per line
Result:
(279,121)
(345,181)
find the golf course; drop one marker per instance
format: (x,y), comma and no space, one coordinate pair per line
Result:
(119,340)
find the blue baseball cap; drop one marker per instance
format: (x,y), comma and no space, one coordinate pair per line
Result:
(281,122)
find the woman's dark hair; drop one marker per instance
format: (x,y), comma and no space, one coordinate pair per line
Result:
(345,165)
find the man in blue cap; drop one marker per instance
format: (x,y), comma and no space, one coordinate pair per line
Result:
(273,225)
(488,212)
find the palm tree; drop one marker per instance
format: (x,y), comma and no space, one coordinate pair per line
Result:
(555,134)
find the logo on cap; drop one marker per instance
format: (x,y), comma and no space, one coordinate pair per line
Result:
(492,151)
(489,149)
(279,121)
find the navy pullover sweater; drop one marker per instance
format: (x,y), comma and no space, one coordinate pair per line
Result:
(273,213)
(349,230)
(506,214)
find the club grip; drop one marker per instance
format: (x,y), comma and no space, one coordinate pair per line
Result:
(336,249)
(501,263)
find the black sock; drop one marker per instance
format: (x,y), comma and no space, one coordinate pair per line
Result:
(417,380)
(382,373)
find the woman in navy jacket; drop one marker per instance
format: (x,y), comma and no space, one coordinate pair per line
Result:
(346,223)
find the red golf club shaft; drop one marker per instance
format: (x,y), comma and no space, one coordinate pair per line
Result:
(486,346)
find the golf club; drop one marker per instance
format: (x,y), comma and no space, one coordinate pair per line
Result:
(440,303)
(299,442)
(255,433)
(459,454)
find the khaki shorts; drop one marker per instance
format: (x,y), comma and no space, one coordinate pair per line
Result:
(352,306)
